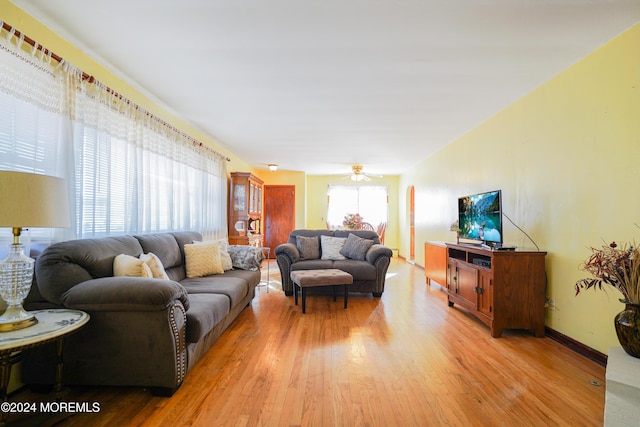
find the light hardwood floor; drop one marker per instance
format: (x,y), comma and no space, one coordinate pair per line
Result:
(405,359)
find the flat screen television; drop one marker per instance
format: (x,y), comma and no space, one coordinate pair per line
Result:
(480,217)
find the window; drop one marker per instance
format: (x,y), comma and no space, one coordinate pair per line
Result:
(127,171)
(370,201)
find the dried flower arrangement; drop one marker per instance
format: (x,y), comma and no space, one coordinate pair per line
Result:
(616,266)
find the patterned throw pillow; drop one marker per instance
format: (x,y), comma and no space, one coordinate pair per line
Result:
(331,247)
(245,257)
(356,247)
(309,247)
(155,265)
(202,259)
(127,265)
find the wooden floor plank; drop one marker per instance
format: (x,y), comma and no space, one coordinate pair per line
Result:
(403,359)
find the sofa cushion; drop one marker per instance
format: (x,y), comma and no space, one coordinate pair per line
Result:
(358,269)
(356,247)
(234,288)
(127,265)
(312,264)
(164,246)
(202,259)
(331,247)
(205,312)
(309,247)
(155,265)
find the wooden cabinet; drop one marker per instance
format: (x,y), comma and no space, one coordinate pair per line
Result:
(435,262)
(245,209)
(504,289)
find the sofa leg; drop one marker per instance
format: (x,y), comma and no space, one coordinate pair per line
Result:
(163,391)
(377,294)
(288,293)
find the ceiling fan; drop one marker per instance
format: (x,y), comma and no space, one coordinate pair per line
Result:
(358,175)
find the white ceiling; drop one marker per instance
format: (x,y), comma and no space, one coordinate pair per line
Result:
(320,85)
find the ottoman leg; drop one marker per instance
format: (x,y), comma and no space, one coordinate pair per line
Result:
(295,293)
(304,300)
(346,295)
(334,292)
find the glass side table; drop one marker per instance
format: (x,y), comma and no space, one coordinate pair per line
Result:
(53,325)
(268,281)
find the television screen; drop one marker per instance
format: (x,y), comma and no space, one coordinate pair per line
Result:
(480,217)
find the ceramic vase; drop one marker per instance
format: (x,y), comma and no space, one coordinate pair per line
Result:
(627,324)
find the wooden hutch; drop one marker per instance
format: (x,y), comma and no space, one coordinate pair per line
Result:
(245,209)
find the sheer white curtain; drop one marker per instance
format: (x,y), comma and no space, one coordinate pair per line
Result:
(370,201)
(30,120)
(127,171)
(135,174)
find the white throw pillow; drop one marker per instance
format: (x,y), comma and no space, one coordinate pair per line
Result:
(127,265)
(202,259)
(225,258)
(331,247)
(154,263)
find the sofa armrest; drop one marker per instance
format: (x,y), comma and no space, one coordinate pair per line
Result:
(286,254)
(125,294)
(376,252)
(290,250)
(136,336)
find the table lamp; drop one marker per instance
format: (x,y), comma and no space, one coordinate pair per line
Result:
(26,200)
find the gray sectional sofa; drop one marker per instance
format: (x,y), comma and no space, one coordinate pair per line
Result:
(143,331)
(368,268)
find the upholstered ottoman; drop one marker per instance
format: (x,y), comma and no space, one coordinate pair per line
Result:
(329,277)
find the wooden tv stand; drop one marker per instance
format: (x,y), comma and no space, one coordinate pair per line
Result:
(504,289)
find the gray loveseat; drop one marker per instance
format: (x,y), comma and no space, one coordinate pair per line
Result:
(143,331)
(368,273)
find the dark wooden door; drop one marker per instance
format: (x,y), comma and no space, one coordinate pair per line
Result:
(279,214)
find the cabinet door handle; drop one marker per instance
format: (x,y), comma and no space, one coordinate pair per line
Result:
(477,290)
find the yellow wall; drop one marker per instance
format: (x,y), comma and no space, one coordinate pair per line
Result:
(567,158)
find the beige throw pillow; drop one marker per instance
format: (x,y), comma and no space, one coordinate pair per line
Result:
(225,258)
(127,265)
(155,265)
(202,259)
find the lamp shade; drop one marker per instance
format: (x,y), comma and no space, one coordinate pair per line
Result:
(32,200)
